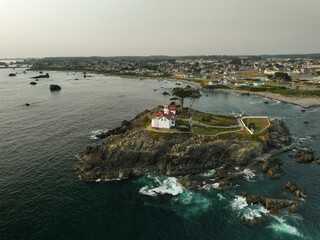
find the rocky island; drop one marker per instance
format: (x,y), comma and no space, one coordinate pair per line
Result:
(192,147)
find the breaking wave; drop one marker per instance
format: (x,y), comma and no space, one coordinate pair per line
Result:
(282,226)
(97,132)
(245,211)
(167,186)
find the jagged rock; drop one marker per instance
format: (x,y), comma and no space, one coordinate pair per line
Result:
(42,76)
(12,75)
(272,167)
(275,172)
(318,160)
(27,104)
(304,156)
(291,186)
(33,83)
(273,204)
(165,93)
(266,102)
(294,188)
(54,87)
(192,181)
(269,163)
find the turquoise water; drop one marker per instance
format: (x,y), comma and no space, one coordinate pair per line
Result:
(41,197)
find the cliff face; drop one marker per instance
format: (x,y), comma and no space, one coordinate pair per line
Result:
(135,151)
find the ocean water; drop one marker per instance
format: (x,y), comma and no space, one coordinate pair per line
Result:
(41,197)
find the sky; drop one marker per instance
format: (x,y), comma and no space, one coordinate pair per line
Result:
(49,28)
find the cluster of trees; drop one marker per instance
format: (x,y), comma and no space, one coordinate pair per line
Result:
(182,93)
(282,77)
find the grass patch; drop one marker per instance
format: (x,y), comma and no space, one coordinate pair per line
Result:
(215,120)
(257,124)
(146,121)
(199,129)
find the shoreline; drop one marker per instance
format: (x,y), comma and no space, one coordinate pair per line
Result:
(305,103)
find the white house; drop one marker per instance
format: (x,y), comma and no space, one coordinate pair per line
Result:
(166,119)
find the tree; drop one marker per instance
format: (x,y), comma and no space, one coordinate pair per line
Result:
(195,95)
(181,93)
(282,77)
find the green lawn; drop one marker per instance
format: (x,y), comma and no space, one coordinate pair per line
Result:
(215,120)
(199,129)
(258,123)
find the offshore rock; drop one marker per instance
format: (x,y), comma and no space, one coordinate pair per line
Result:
(42,76)
(304,156)
(132,150)
(193,181)
(273,204)
(272,167)
(54,87)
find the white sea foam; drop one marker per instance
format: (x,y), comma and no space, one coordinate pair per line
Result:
(248,174)
(168,186)
(209,173)
(195,202)
(96,132)
(239,203)
(245,211)
(282,226)
(221,197)
(210,186)
(98,180)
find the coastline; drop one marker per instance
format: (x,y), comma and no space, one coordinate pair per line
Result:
(302,102)
(305,103)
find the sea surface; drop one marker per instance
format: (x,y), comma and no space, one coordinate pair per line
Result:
(41,197)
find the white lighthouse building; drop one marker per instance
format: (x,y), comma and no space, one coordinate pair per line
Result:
(167,119)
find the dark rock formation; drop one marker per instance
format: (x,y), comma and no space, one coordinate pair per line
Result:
(33,83)
(272,167)
(318,160)
(132,150)
(266,102)
(294,188)
(12,75)
(193,181)
(273,204)
(27,104)
(54,87)
(304,156)
(165,93)
(42,76)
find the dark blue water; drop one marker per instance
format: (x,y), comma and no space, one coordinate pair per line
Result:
(41,197)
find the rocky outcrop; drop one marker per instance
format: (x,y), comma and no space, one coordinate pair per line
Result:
(318,160)
(132,150)
(273,204)
(42,76)
(54,87)
(294,188)
(272,167)
(193,181)
(33,83)
(12,75)
(304,156)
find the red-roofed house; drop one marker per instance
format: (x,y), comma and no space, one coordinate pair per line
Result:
(166,119)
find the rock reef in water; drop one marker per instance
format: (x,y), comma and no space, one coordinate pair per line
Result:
(304,156)
(42,76)
(273,204)
(54,87)
(132,150)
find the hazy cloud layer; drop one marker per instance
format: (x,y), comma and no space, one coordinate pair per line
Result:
(39,28)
